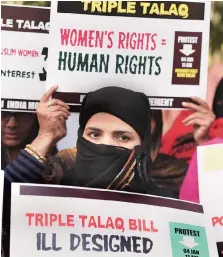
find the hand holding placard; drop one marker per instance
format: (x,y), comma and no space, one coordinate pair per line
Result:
(52,116)
(201,119)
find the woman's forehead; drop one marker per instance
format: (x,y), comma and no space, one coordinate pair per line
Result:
(108,122)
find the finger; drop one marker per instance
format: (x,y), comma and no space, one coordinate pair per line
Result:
(46,97)
(60,113)
(194,107)
(57,108)
(194,116)
(198,121)
(58,102)
(208,119)
(200,102)
(62,122)
(62,127)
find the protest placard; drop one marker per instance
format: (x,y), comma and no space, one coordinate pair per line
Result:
(210,166)
(159,48)
(69,221)
(25,32)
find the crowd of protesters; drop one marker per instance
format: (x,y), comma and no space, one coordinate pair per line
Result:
(122,144)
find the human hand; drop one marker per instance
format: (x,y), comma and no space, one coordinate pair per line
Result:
(201,119)
(52,115)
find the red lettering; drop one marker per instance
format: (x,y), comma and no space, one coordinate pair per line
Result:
(141,225)
(91,38)
(99,39)
(119,224)
(30,216)
(127,40)
(154,42)
(140,41)
(137,41)
(147,40)
(39,220)
(20,52)
(92,222)
(46,219)
(100,225)
(25,52)
(53,218)
(121,40)
(144,227)
(82,38)
(70,220)
(110,39)
(73,37)
(214,221)
(86,38)
(132,224)
(153,229)
(64,33)
(133,38)
(83,218)
(217,220)
(61,223)
(109,223)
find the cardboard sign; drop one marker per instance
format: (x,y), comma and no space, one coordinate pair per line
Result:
(159,48)
(68,221)
(210,166)
(25,32)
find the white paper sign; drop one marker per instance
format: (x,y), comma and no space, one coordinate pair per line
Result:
(159,48)
(210,166)
(24,52)
(66,221)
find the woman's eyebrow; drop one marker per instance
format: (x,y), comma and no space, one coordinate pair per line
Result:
(93,129)
(120,132)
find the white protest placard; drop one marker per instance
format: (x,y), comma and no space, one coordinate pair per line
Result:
(159,48)
(24,52)
(69,221)
(210,166)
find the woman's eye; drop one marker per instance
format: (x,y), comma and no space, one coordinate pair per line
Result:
(94,135)
(124,138)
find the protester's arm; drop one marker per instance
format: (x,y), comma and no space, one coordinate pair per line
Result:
(52,116)
(25,169)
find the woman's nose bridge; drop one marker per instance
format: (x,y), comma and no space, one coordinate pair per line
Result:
(107,139)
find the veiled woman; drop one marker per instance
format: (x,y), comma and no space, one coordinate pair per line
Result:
(113,146)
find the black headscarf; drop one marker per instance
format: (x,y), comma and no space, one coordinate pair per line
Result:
(131,107)
(218,100)
(110,167)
